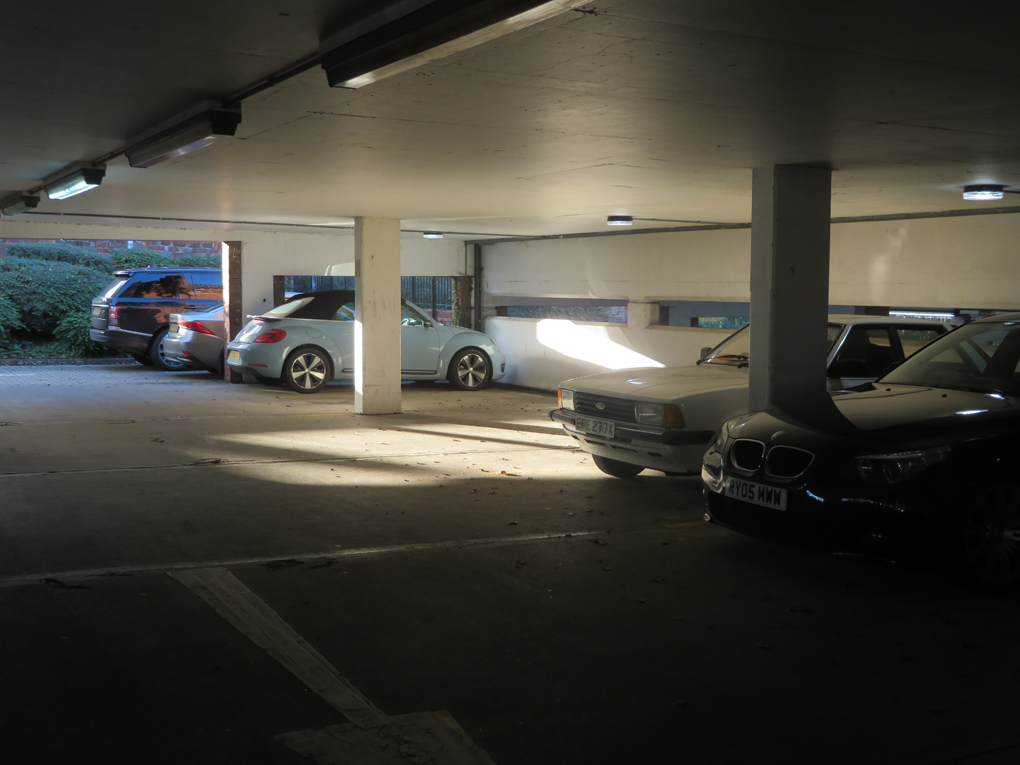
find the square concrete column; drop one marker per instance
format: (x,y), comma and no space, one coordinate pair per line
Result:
(377,307)
(790,211)
(233,301)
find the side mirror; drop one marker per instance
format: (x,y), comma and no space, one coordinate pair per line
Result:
(428,324)
(705,351)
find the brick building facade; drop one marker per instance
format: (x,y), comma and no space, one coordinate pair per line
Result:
(105,246)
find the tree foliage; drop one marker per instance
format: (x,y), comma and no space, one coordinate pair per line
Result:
(61,252)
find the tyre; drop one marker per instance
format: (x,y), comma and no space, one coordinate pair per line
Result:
(616,468)
(470,369)
(142,358)
(159,360)
(307,370)
(987,550)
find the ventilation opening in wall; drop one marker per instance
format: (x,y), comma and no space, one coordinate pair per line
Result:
(610,314)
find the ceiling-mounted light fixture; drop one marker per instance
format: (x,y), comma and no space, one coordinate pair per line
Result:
(431,235)
(183,134)
(620,220)
(18,203)
(983,192)
(79,179)
(410,33)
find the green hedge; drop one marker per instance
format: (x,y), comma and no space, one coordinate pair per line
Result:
(62,253)
(73,334)
(10,318)
(47,291)
(146,258)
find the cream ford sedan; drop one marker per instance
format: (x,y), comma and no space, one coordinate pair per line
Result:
(664,419)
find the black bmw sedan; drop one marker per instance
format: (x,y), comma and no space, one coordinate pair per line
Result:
(925,460)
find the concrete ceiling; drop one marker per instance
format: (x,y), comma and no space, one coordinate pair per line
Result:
(653,108)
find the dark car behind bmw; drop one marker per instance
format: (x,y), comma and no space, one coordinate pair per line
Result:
(132,314)
(924,461)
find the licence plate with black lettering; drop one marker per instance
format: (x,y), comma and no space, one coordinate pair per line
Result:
(595,427)
(755,493)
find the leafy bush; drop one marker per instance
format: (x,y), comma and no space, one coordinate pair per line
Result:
(199,261)
(47,291)
(73,335)
(9,317)
(140,259)
(62,253)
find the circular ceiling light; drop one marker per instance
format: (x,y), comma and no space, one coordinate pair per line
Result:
(431,235)
(620,220)
(983,192)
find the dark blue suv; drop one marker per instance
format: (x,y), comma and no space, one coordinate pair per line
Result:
(132,313)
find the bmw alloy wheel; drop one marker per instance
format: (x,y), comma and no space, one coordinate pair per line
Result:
(992,536)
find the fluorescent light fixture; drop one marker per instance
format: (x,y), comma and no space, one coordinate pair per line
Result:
(18,203)
(409,33)
(183,137)
(620,220)
(983,192)
(80,179)
(432,235)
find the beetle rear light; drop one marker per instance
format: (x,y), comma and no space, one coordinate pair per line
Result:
(272,336)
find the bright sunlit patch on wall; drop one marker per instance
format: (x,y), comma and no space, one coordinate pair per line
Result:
(590,345)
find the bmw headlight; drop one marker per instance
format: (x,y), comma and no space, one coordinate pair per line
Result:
(724,432)
(899,466)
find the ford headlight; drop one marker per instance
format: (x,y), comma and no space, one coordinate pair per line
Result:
(898,466)
(566,399)
(663,415)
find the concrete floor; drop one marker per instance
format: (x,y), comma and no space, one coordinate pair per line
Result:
(459,556)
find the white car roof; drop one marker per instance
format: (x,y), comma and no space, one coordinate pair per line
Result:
(847,318)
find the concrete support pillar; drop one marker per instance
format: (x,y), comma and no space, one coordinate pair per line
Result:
(377,306)
(233,301)
(790,211)
(643,315)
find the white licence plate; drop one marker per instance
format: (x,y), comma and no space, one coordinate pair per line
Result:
(595,427)
(233,356)
(173,328)
(755,493)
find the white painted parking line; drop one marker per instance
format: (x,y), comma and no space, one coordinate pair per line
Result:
(251,615)
(21,580)
(374,738)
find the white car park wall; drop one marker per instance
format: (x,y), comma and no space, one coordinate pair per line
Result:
(970,261)
(265,254)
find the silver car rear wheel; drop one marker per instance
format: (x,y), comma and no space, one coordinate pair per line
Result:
(470,369)
(307,370)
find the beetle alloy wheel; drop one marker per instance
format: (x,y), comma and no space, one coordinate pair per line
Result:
(308,370)
(992,535)
(472,370)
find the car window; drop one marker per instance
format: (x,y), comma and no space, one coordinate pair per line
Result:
(112,287)
(735,350)
(345,312)
(914,339)
(410,318)
(866,352)
(168,286)
(207,285)
(981,356)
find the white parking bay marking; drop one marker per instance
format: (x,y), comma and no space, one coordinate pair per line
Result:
(423,737)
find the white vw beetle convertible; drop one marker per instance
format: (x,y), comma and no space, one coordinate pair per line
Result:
(665,418)
(309,340)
